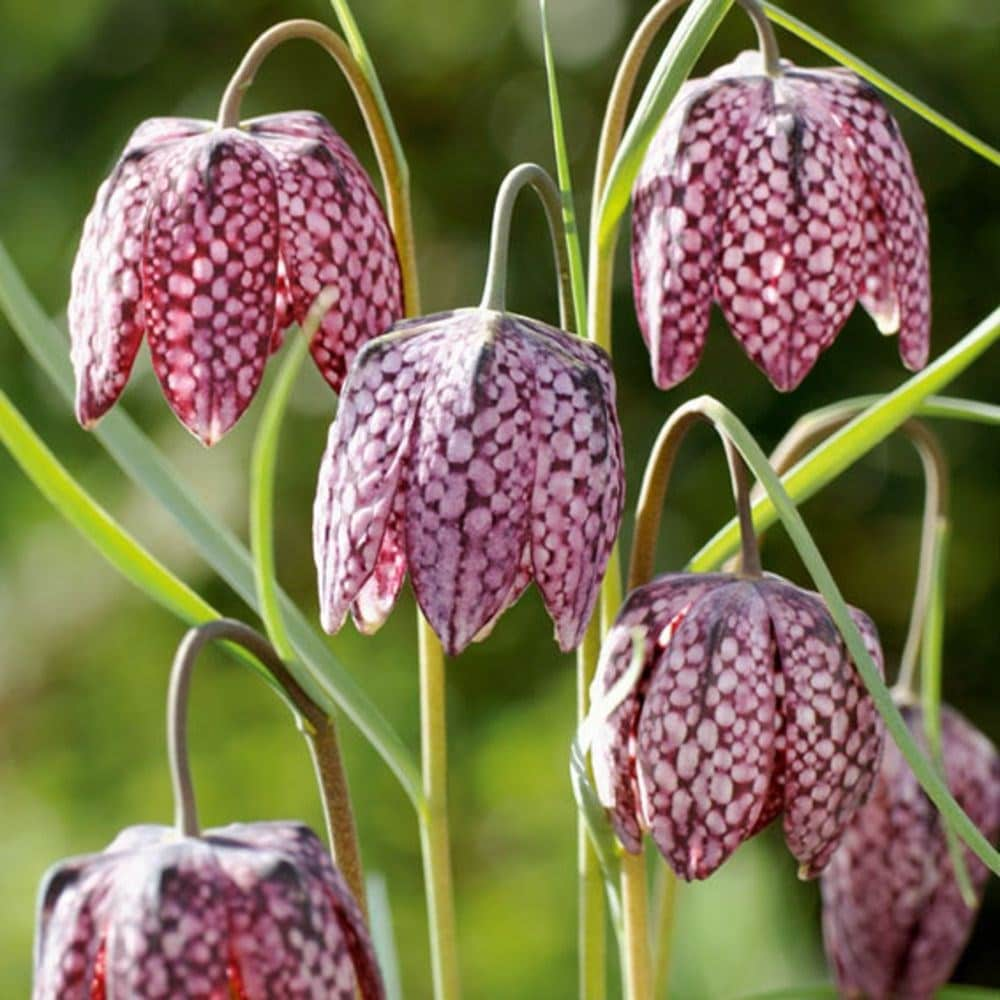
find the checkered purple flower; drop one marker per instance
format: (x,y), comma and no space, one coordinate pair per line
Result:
(211,242)
(477,450)
(785,200)
(747,706)
(245,912)
(894,921)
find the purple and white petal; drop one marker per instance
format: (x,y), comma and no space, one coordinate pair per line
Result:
(209,275)
(707,729)
(832,731)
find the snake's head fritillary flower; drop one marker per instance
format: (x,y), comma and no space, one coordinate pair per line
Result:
(211,241)
(478,450)
(785,200)
(894,920)
(245,912)
(747,706)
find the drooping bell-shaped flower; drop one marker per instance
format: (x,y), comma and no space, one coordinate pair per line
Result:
(784,198)
(244,912)
(894,921)
(210,241)
(747,706)
(477,450)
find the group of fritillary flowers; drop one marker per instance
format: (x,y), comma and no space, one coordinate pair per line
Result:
(476,451)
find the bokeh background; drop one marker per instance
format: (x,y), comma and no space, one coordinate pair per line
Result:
(84,658)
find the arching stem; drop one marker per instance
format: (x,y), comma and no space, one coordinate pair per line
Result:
(320,732)
(765,37)
(395,175)
(812,429)
(495,288)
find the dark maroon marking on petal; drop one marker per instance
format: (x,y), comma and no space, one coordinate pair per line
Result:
(707,731)
(833,734)
(209,274)
(655,609)
(334,235)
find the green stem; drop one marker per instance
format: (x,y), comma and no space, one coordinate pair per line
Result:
(664,912)
(336,801)
(434,837)
(843,449)
(880,80)
(495,288)
(638,972)
(591,938)
(926,773)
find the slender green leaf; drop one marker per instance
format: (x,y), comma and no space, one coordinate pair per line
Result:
(939,407)
(791,519)
(841,450)
(565,182)
(319,672)
(880,80)
(829,993)
(383,934)
(699,23)
(930,694)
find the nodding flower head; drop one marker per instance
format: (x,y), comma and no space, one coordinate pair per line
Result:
(247,912)
(894,921)
(211,241)
(747,706)
(479,450)
(785,199)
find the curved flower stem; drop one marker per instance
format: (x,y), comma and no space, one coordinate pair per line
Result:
(434,836)
(395,175)
(765,37)
(322,739)
(495,288)
(813,428)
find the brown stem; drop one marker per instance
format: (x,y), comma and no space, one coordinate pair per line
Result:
(317,725)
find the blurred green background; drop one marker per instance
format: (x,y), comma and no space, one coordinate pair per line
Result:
(84,659)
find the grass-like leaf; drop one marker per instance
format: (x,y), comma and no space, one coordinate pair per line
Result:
(577,282)
(882,82)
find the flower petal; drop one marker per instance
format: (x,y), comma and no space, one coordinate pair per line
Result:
(657,609)
(832,732)
(298,843)
(209,274)
(334,235)
(470,478)
(677,204)
(362,471)
(169,936)
(105,307)
(707,731)
(790,254)
(69,934)
(901,212)
(578,491)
